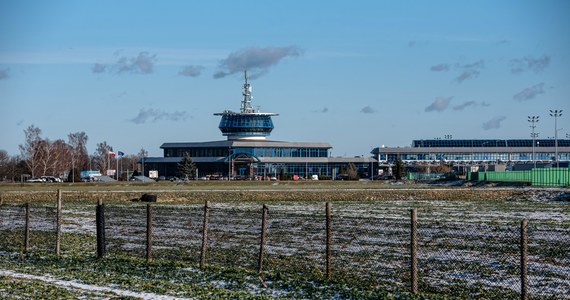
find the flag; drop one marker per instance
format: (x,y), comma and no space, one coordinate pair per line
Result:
(121,154)
(111,154)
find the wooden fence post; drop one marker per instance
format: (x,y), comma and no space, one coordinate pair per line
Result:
(100,220)
(328,241)
(204,236)
(27,229)
(524,259)
(413,252)
(262,240)
(58,224)
(148,233)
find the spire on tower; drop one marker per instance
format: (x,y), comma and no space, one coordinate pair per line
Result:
(246,102)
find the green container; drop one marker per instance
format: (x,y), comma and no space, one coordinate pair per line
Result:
(537,176)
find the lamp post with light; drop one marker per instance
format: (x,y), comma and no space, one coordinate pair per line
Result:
(533,120)
(556,113)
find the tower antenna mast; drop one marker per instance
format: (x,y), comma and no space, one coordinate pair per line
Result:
(246,102)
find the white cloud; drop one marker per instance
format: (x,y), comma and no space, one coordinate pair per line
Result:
(494,123)
(440,68)
(530,92)
(191,71)
(536,65)
(440,104)
(256,60)
(367,110)
(4,73)
(153,115)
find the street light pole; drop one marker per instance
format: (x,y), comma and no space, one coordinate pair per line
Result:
(533,119)
(556,113)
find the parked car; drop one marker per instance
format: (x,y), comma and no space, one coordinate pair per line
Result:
(51,179)
(385,177)
(36,179)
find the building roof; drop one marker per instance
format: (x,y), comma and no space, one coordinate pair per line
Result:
(399,150)
(481,143)
(268,160)
(247,144)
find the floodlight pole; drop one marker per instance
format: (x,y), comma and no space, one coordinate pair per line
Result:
(533,120)
(556,113)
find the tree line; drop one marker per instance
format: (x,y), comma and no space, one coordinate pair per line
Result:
(59,158)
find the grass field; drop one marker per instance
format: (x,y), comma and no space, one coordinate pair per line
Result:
(467,249)
(210,185)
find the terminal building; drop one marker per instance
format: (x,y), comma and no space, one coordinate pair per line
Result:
(518,153)
(247,153)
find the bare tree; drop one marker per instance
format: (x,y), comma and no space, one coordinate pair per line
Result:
(61,158)
(101,157)
(11,167)
(142,154)
(31,150)
(4,158)
(130,162)
(352,172)
(78,143)
(16,167)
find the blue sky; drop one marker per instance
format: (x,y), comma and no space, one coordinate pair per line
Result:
(355,74)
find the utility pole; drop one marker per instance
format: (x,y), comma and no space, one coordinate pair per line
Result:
(556,113)
(533,120)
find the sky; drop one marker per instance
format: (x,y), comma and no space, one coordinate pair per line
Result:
(355,74)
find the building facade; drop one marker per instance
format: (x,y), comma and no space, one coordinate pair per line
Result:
(246,153)
(477,152)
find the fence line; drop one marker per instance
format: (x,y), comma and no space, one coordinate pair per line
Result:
(58,224)
(274,223)
(204,236)
(262,239)
(148,233)
(413,251)
(524,259)
(100,220)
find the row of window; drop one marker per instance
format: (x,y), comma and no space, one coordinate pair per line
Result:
(328,169)
(489,143)
(283,152)
(523,156)
(245,121)
(258,152)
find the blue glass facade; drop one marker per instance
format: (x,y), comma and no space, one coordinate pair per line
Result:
(246,125)
(488,143)
(511,150)
(252,151)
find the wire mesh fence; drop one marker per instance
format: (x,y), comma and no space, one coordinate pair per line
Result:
(474,259)
(368,246)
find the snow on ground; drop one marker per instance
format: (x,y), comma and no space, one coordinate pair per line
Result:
(86,287)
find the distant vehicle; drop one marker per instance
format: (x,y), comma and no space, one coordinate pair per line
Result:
(89,175)
(273,178)
(51,179)
(385,177)
(36,179)
(172,178)
(161,178)
(342,177)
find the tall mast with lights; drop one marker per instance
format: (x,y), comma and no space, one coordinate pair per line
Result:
(248,124)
